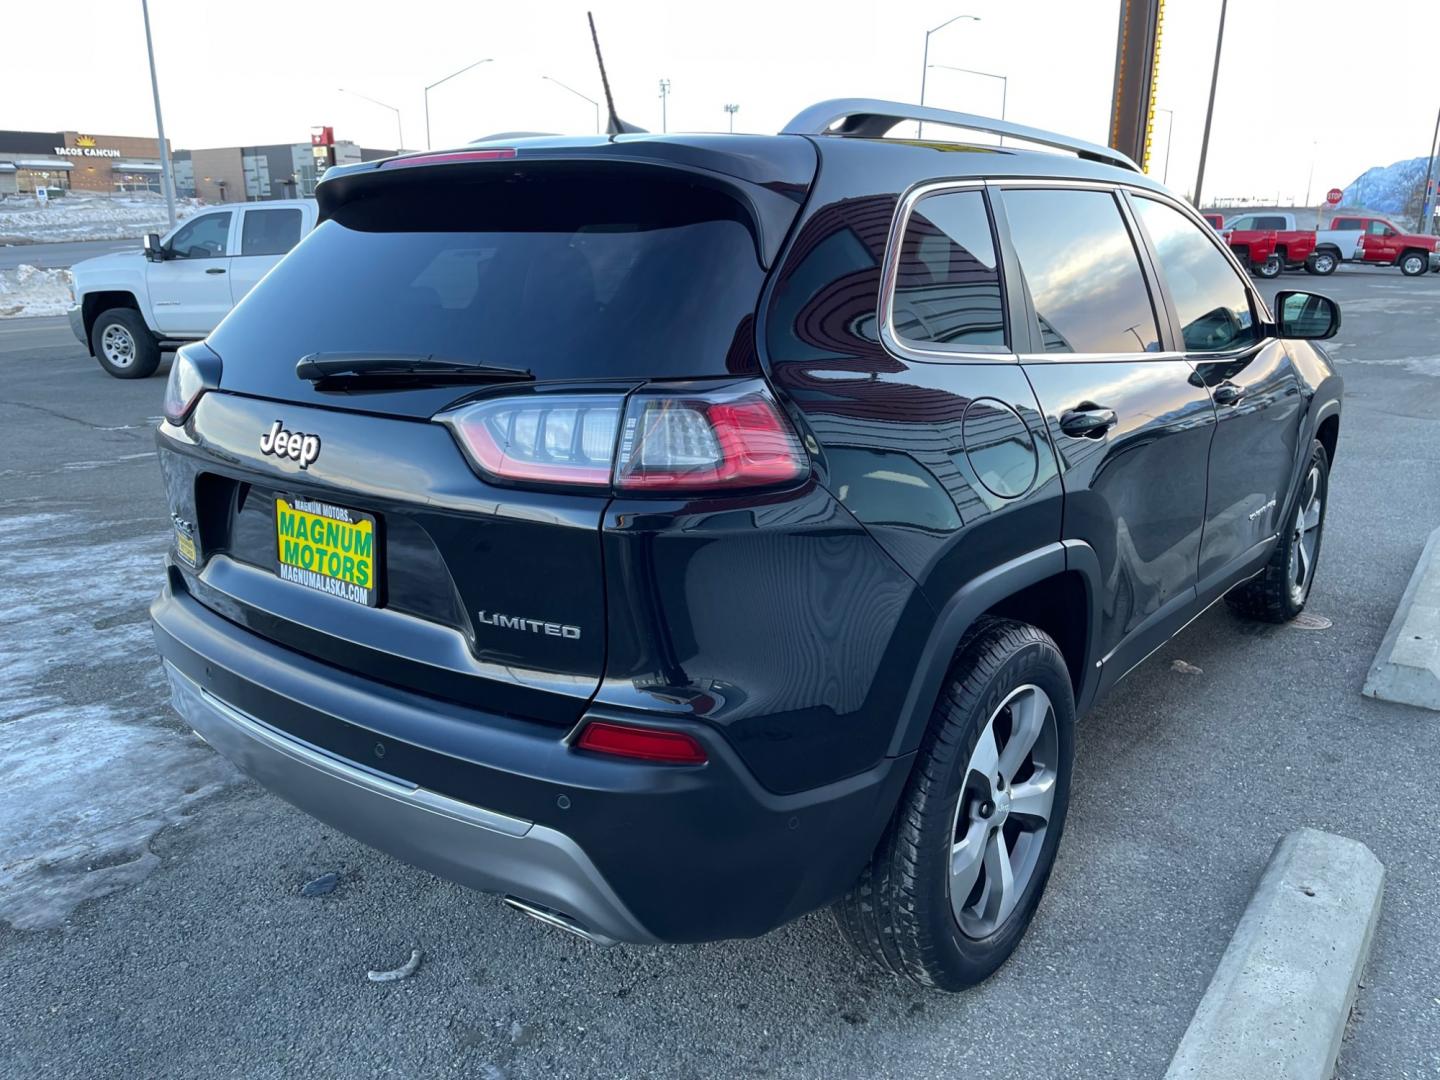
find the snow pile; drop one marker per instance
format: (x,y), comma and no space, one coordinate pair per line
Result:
(27,290)
(86,217)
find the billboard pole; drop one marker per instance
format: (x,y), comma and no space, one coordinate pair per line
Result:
(167,179)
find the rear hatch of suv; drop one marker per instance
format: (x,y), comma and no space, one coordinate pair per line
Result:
(548,282)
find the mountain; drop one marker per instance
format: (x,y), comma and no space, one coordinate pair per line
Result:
(1388,190)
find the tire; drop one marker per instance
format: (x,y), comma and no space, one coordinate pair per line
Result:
(1322,263)
(1414,263)
(1279,592)
(899,914)
(1270,268)
(124,345)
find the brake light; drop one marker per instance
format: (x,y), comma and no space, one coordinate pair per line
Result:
(498,154)
(643,744)
(195,369)
(656,441)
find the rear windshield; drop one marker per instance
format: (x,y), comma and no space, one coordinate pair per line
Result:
(571,275)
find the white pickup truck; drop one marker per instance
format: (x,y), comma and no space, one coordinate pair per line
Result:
(132,306)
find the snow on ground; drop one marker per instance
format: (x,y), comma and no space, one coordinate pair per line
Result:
(84,786)
(79,216)
(28,291)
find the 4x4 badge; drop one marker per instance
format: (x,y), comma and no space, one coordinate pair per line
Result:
(292,444)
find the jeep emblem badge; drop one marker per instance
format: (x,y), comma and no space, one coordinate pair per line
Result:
(292,444)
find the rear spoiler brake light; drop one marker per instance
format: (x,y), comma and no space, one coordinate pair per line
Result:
(449,158)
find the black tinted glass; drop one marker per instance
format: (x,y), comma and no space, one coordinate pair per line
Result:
(1210,299)
(566,274)
(1082,271)
(1270,221)
(947,284)
(269,232)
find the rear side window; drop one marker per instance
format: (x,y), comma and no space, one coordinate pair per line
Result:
(1346,223)
(947,281)
(1083,272)
(269,232)
(566,273)
(1270,221)
(1210,299)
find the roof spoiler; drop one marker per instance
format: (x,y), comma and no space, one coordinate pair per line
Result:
(871,118)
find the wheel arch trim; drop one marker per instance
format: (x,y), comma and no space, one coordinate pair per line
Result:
(977,597)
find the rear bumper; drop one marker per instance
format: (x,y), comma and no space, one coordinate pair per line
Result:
(625,851)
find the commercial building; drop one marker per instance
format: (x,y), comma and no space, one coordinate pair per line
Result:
(250,173)
(70,160)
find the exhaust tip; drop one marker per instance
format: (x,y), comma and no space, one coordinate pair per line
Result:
(559,920)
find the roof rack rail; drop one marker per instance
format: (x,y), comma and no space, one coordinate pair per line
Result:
(871,118)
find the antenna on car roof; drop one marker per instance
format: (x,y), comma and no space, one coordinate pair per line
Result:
(616,125)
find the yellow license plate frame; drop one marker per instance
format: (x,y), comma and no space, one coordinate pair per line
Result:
(328,548)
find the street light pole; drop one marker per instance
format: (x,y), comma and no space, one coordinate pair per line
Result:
(447,78)
(925,62)
(1170,141)
(732,110)
(664,102)
(1429,172)
(578,94)
(166,178)
(1210,108)
(399,128)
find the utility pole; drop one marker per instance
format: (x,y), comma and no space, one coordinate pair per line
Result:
(1429,173)
(664,100)
(1210,107)
(166,178)
(1169,139)
(925,62)
(732,110)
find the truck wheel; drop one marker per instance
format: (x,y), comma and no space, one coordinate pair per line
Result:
(1270,268)
(1414,263)
(956,879)
(1323,263)
(124,345)
(1279,592)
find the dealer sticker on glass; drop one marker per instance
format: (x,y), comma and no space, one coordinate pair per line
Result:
(327,548)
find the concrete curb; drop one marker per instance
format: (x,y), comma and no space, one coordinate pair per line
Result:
(1407,667)
(1281,995)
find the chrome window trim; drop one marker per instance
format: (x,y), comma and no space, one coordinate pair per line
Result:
(931,353)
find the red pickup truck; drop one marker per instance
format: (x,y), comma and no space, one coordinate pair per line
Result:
(1269,243)
(1376,242)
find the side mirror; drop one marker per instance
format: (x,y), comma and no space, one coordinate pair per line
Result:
(153,251)
(1306,316)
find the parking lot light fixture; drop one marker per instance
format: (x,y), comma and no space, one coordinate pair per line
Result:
(732,110)
(577,93)
(437,82)
(925,61)
(399,127)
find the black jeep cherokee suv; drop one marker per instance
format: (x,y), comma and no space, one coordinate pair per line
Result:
(676,534)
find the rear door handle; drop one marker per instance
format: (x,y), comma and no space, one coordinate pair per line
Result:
(215,270)
(1228,393)
(1087,422)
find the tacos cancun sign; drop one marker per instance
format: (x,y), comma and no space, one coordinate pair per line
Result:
(85,147)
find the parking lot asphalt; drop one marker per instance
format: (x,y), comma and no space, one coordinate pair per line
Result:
(152,921)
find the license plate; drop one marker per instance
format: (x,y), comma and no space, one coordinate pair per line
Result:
(327,548)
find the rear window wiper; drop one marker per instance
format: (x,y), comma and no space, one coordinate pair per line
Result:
(374,370)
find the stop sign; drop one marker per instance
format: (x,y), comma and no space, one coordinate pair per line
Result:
(1333,196)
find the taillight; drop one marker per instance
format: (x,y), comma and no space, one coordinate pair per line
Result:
(733,437)
(643,744)
(195,369)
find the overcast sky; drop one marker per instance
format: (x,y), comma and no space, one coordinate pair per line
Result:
(243,74)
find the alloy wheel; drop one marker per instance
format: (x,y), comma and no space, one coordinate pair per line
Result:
(1305,535)
(1413,264)
(1325,263)
(118,345)
(1003,814)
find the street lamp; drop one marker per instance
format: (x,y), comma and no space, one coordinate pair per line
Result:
(578,94)
(664,102)
(1004,85)
(399,128)
(925,62)
(732,110)
(168,180)
(436,83)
